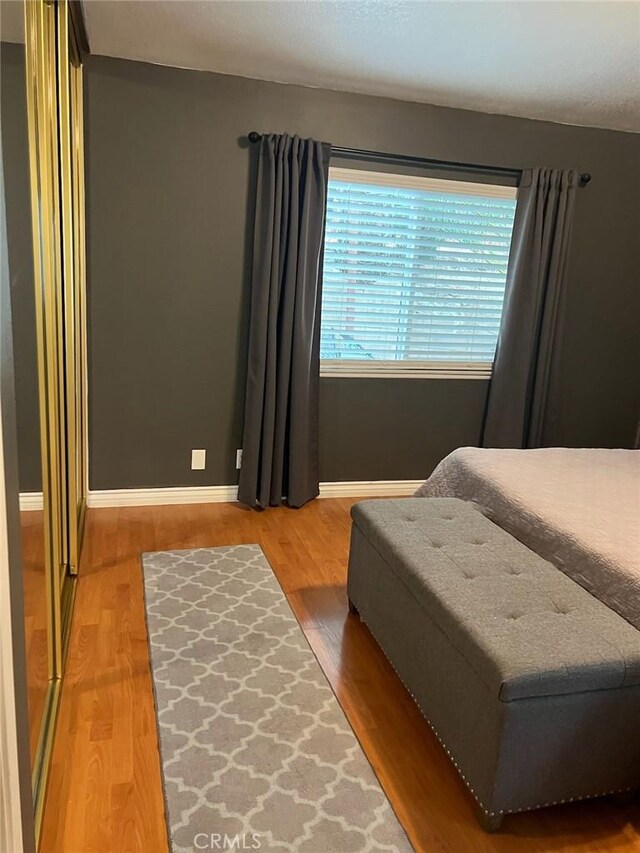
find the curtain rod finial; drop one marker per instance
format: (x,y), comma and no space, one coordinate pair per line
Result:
(254,136)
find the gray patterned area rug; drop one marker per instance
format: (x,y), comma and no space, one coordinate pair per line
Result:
(256,751)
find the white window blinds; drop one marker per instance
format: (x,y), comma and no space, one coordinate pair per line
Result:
(414,274)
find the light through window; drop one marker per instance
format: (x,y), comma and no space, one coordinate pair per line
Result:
(414,274)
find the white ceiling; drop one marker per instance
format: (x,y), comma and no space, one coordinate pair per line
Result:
(572,62)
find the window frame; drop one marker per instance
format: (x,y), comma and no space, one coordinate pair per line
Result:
(413,369)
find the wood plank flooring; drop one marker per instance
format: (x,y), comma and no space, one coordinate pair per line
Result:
(105,788)
(35,620)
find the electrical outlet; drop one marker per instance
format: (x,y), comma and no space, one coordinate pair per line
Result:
(198,460)
(238,460)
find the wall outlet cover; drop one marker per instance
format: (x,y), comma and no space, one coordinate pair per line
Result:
(198,460)
(238,460)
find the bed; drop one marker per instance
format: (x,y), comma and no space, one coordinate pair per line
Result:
(577,508)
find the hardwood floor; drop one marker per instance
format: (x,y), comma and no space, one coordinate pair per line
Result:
(35,621)
(105,786)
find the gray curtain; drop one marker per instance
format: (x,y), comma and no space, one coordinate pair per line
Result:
(517,410)
(280,443)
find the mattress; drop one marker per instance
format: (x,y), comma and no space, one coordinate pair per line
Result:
(577,508)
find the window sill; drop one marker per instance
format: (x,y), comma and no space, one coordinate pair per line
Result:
(404,370)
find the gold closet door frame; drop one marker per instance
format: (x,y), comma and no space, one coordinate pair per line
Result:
(56,160)
(77,75)
(77,156)
(40,29)
(72,212)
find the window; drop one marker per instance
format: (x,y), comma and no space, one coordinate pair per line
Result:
(414,275)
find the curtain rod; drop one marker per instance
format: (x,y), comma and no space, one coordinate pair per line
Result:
(408,160)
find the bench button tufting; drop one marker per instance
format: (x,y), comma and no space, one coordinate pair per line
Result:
(522,667)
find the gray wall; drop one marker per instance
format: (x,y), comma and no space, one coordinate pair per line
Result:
(15,156)
(169,222)
(168,183)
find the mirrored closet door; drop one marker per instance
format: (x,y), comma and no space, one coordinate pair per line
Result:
(15,148)
(42,99)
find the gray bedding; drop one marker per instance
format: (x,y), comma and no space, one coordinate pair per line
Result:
(577,508)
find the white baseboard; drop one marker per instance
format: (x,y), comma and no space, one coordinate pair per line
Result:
(162,497)
(217,494)
(30,501)
(369,488)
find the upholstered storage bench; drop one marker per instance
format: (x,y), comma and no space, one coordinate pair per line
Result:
(530,683)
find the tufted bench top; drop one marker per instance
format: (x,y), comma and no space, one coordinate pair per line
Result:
(525,628)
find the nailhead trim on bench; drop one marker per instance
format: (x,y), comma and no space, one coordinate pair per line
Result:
(455,763)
